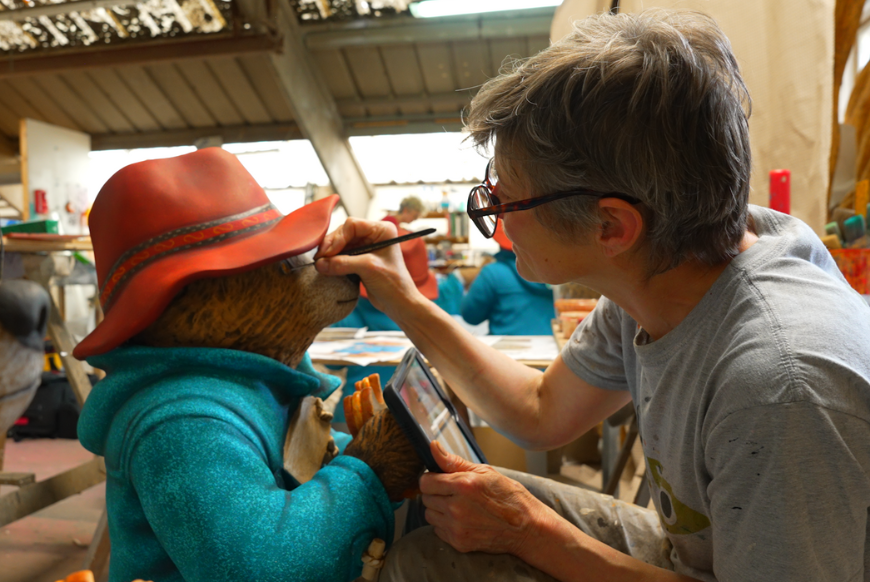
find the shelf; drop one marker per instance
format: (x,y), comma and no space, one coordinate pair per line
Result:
(451,239)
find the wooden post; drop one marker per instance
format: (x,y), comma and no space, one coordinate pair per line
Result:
(2,448)
(32,498)
(97,560)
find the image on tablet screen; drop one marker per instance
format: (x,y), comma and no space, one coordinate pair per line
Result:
(431,414)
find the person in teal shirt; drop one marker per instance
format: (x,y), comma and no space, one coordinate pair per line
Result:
(512,305)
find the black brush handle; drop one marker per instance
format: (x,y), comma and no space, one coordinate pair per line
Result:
(386,243)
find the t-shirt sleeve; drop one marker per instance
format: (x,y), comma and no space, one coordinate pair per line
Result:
(595,351)
(788,499)
(216,509)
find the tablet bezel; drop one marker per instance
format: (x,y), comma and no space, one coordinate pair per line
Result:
(406,421)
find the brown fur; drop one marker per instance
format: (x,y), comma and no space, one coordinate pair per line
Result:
(383,446)
(269,311)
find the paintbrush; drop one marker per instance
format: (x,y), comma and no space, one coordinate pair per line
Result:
(373,247)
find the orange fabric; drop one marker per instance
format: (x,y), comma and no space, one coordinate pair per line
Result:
(417,261)
(501,238)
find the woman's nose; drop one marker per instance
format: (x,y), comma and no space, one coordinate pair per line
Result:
(24,311)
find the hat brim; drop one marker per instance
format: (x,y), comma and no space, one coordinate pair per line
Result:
(428,287)
(150,291)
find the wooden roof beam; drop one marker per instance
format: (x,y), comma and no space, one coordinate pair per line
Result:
(317,115)
(451,98)
(182,137)
(138,53)
(367,32)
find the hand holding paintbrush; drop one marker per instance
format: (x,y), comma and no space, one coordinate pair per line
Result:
(375,246)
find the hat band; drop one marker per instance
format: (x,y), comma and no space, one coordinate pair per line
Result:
(183,239)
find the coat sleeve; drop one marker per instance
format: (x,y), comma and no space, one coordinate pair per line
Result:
(478,302)
(216,508)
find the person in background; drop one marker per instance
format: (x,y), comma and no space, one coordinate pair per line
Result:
(367,315)
(512,305)
(410,210)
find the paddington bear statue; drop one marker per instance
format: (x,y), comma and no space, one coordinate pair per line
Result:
(204,341)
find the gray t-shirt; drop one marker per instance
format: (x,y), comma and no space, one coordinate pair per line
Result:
(754,413)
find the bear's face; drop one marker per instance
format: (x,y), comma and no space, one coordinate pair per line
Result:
(271,310)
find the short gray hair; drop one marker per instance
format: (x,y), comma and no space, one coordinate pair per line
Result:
(411,203)
(651,105)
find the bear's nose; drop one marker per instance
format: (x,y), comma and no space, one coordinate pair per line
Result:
(354,279)
(24,309)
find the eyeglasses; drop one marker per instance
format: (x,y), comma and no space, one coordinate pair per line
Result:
(484,208)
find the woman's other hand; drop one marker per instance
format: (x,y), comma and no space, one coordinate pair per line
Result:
(476,508)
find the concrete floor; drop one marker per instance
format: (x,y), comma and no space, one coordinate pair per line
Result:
(51,543)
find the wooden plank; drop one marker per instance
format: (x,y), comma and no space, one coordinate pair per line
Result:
(333,69)
(16,245)
(536,44)
(504,50)
(140,83)
(104,108)
(8,122)
(36,96)
(403,70)
(2,448)
(17,479)
(265,82)
(97,559)
(126,100)
(70,102)
(472,64)
(368,71)
(210,92)
(7,147)
(14,101)
(136,53)
(64,344)
(231,134)
(32,498)
(179,93)
(370,76)
(437,67)
(239,90)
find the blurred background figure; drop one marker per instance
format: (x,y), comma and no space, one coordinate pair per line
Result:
(410,210)
(367,315)
(512,305)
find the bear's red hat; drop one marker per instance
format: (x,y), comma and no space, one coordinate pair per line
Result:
(160,224)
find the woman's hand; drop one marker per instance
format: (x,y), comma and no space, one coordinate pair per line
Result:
(383,272)
(476,508)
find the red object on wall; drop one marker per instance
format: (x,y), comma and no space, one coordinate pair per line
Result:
(780,191)
(40,202)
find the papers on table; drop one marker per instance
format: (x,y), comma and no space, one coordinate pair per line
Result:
(361,348)
(365,351)
(524,347)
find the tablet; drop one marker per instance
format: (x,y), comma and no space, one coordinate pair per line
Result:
(425,414)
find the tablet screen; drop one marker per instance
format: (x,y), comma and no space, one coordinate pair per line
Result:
(425,404)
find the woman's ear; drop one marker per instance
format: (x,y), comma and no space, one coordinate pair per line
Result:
(621,226)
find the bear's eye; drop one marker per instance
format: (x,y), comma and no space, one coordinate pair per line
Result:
(302,259)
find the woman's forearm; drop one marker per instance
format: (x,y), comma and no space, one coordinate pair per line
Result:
(498,388)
